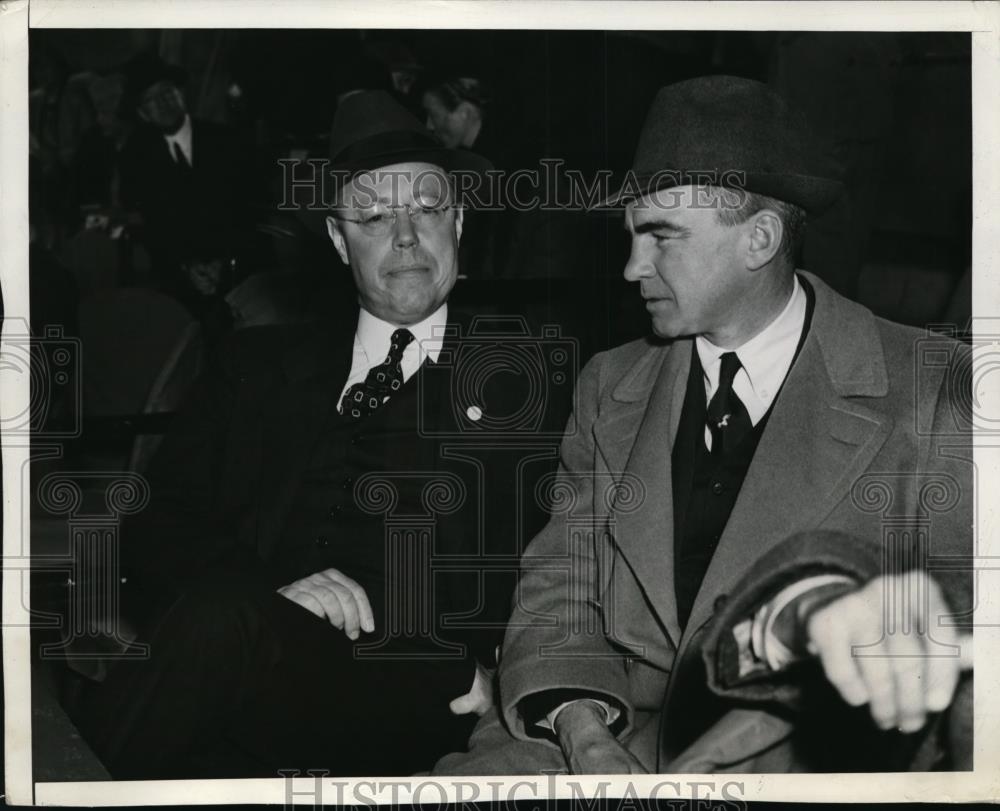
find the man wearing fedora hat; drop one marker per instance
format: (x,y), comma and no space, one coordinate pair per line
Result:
(756,488)
(186,176)
(312,565)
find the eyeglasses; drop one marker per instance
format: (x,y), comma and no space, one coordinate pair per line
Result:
(380,221)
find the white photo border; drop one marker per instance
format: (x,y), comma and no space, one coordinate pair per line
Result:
(982,19)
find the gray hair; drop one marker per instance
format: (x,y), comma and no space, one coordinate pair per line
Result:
(739,206)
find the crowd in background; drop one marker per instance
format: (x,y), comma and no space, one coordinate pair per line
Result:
(155,167)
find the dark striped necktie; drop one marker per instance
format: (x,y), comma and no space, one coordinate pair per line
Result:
(728,419)
(179,157)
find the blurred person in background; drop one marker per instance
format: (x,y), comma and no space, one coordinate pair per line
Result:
(455,110)
(183,175)
(516,241)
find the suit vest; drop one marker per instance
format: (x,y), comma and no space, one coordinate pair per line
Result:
(705,488)
(334,523)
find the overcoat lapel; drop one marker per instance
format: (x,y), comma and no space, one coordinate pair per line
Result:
(437,418)
(647,407)
(818,439)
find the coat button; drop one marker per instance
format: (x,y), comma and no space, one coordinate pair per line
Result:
(346,483)
(322,541)
(336,510)
(357,439)
(717,488)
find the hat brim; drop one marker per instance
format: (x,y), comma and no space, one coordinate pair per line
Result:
(308,197)
(814,194)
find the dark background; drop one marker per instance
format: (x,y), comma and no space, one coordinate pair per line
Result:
(892,112)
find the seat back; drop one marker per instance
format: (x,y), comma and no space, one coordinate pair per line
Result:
(128,336)
(180,370)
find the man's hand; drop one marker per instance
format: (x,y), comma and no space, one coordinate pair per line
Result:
(479,699)
(587,743)
(334,596)
(883,645)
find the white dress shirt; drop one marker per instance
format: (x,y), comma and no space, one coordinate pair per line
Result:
(764,360)
(183,139)
(372,339)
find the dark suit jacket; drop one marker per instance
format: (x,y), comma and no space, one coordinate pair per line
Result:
(866,436)
(224,479)
(179,208)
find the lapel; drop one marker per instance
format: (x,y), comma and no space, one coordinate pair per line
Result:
(635,434)
(818,439)
(313,374)
(441,384)
(436,378)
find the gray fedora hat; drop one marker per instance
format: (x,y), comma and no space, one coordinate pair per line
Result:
(370,130)
(731,132)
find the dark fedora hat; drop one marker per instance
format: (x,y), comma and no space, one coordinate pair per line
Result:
(146,70)
(370,130)
(732,132)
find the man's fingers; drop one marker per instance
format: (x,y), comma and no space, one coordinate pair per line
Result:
(349,609)
(903,670)
(965,657)
(610,759)
(463,705)
(942,668)
(307,601)
(332,609)
(367,618)
(891,661)
(335,597)
(911,673)
(875,666)
(828,639)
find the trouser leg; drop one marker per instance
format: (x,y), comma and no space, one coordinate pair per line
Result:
(242,682)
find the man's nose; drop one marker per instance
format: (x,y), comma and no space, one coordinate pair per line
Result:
(638,266)
(405,235)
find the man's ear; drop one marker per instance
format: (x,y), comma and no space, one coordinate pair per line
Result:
(766,232)
(459,217)
(337,237)
(179,97)
(464,109)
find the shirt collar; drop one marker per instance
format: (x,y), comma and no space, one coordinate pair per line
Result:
(182,137)
(768,355)
(375,335)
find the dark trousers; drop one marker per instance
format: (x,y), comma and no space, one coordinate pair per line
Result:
(241,682)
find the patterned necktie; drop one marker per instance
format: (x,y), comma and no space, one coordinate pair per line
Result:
(727,417)
(382,381)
